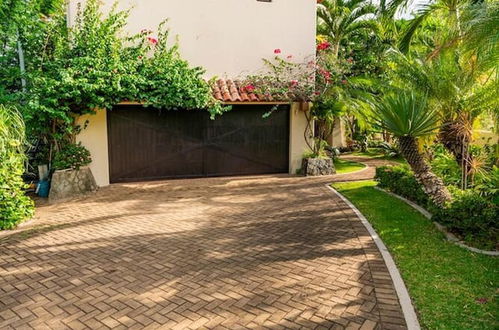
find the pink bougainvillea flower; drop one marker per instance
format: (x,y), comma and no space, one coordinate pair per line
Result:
(249,88)
(323,45)
(153,41)
(277,51)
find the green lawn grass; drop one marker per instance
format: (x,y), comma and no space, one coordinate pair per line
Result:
(343,166)
(376,153)
(452,288)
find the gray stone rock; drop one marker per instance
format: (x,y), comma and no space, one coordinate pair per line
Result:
(67,184)
(318,166)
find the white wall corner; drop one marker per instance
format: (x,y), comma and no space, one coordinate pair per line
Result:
(94,137)
(297,141)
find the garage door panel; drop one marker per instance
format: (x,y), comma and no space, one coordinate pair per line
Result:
(147,144)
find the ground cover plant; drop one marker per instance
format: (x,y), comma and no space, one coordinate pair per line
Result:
(451,288)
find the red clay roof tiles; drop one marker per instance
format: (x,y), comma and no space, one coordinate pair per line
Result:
(227,90)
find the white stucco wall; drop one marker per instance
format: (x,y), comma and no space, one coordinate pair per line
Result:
(228,38)
(297,143)
(337,139)
(94,138)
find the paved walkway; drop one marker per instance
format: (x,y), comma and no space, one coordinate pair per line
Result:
(271,252)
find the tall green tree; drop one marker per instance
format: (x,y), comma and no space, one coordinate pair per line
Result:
(340,19)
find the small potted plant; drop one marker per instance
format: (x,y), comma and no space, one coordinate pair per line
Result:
(71,176)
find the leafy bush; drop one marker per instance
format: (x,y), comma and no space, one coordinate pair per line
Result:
(444,165)
(401,181)
(487,184)
(390,150)
(15,206)
(473,217)
(94,64)
(72,156)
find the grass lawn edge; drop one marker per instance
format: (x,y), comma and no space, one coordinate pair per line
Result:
(400,287)
(344,166)
(450,287)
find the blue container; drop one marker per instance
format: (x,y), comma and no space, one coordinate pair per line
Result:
(43,188)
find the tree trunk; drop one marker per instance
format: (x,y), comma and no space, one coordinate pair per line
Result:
(432,184)
(456,138)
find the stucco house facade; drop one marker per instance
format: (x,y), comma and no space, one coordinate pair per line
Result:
(229,39)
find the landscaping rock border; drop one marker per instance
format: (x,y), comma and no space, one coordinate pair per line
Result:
(450,237)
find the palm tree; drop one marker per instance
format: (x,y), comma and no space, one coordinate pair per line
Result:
(459,87)
(408,118)
(450,12)
(339,19)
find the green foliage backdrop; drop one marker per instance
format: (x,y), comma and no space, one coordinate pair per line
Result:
(14,205)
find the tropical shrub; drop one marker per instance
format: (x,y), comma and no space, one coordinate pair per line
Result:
(473,217)
(72,156)
(401,181)
(444,165)
(15,206)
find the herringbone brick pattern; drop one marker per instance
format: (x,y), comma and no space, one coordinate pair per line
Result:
(272,252)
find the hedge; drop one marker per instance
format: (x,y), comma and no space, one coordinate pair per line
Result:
(473,217)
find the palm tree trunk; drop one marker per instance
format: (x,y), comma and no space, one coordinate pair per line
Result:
(432,184)
(456,138)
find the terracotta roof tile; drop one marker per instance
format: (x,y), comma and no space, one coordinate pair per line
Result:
(228,90)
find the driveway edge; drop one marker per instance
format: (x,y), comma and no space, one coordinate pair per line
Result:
(404,298)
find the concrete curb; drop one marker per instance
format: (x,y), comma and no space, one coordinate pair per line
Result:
(405,300)
(450,237)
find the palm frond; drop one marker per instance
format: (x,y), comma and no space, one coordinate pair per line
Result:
(405,114)
(407,35)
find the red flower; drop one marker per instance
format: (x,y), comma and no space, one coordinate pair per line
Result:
(153,41)
(249,88)
(326,74)
(317,93)
(293,83)
(277,51)
(323,45)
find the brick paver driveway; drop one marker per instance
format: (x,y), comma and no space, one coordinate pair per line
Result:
(274,252)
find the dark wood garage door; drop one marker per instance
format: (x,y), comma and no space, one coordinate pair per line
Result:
(150,144)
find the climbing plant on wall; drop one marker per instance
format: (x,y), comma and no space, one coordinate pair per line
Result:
(95,64)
